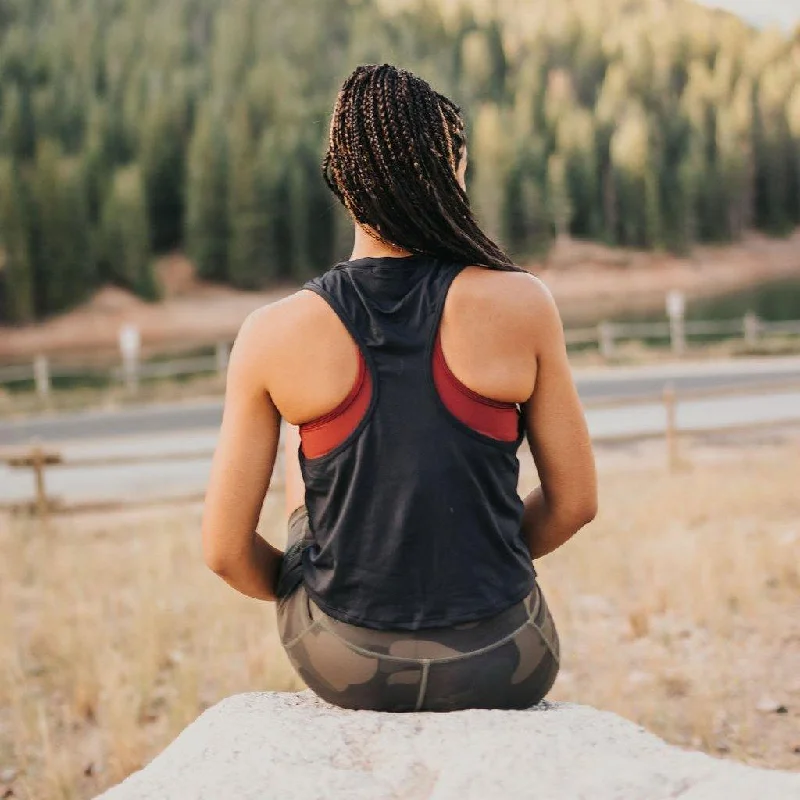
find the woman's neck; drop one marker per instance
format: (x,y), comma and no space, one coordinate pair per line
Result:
(367,246)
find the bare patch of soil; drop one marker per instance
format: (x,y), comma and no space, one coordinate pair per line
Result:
(588,280)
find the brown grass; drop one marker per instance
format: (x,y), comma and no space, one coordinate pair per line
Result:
(678,608)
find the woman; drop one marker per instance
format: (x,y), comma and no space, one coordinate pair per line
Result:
(413,370)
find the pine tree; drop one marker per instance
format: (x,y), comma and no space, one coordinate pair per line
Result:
(559,204)
(52,290)
(272,199)
(18,128)
(63,257)
(477,66)
(125,236)
(248,224)
(641,123)
(163,148)
(491,164)
(299,228)
(207,229)
(79,258)
(16,273)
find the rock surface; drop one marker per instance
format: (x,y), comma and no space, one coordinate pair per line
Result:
(294,745)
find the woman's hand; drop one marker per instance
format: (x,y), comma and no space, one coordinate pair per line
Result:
(242,470)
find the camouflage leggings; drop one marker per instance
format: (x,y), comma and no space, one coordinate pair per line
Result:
(509,660)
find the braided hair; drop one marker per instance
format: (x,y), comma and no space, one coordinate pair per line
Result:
(392,161)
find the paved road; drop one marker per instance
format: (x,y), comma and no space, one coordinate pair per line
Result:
(192,428)
(593,385)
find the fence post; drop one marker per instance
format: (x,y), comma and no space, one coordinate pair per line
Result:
(605,339)
(223,355)
(41,375)
(676,311)
(752,326)
(130,344)
(671,429)
(38,462)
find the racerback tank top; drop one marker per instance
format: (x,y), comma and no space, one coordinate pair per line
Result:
(415,516)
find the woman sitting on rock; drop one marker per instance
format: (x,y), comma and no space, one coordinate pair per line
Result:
(413,370)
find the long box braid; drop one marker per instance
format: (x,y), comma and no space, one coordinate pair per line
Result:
(392,161)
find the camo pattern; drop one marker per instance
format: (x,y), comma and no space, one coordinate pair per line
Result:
(509,660)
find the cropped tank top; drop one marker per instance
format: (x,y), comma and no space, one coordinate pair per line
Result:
(414,513)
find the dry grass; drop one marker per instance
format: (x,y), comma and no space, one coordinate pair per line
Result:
(678,608)
(113,637)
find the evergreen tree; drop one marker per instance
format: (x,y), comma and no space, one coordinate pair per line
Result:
(16,273)
(163,148)
(125,236)
(18,131)
(248,224)
(559,204)
(207,192)
(639,123)
(490,168)
(299,230)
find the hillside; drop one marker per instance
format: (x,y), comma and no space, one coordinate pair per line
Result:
(135,128)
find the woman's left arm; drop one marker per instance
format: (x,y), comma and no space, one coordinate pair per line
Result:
(241,473)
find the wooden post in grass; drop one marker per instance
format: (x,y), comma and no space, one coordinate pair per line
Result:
(671,429)
(38,462)
(37,458)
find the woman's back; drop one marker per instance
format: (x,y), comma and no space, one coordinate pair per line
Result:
(389,552)
(412,502)
(491,325)
(413,380)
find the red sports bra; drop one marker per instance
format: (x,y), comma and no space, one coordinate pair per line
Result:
(493,418)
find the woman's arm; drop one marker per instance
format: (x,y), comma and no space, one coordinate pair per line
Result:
(559,440)
(241,472)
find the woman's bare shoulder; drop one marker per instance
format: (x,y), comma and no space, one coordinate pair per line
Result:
(517,300)
(282,323)
(295,341)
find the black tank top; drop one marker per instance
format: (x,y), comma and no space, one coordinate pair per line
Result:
(416,517)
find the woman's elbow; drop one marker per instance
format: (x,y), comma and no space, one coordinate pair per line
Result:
(217,563)
(589,511)
(217,559)
(580,512)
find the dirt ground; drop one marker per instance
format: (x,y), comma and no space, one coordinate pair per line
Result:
(678,607)
(588,280)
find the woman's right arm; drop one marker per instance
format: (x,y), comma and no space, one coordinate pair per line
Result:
(558,435)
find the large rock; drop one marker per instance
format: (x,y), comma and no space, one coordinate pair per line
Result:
(294,746)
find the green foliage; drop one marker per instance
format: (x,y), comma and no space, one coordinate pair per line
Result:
(61,244)
(131,128)
(163,160)
(249,230)
(125,237)
(18,300)
(207,207)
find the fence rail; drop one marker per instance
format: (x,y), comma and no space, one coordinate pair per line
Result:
(40,457)
(605,337)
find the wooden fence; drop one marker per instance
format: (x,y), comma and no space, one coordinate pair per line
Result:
(605,337)
(42,371)
(40,458)
(678,332)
